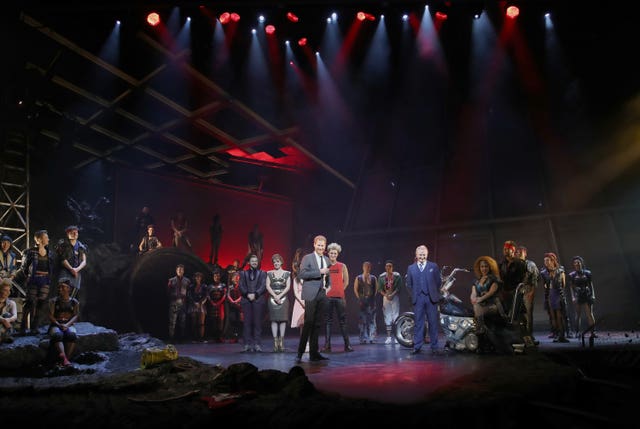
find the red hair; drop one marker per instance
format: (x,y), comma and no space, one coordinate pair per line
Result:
(553,257)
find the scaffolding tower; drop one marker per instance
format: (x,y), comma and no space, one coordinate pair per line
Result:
(14,191)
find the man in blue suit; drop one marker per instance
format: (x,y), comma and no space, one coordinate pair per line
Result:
(314,273)
(424,282)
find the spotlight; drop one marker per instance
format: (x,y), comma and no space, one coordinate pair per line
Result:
(302,41)
(292,17)
(224,17)
(153,19)
(363,15)
(270,29)
(477,9)
(441,11)
(235,17)
(512,11)
(441,16)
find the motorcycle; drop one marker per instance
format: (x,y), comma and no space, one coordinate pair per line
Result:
(457,321)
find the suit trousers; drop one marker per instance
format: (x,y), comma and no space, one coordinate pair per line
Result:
(314,317)
(253,312)
(425,309)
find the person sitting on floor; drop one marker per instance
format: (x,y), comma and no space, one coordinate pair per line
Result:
(63,313)
(8,312)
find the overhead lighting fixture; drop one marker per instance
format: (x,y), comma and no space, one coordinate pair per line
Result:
(224,17)
(441,16)
(440,11)
(227,17)
(153,19)
(363,15)
(512,11)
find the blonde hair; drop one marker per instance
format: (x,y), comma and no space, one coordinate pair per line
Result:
(319,238)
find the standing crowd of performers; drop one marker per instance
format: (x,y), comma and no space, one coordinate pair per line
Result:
(234,303)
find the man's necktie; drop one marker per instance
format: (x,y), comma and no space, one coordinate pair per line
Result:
(421,266)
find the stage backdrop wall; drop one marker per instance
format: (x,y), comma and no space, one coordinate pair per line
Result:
(238,210)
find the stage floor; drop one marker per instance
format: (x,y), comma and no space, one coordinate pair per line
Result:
(388,373)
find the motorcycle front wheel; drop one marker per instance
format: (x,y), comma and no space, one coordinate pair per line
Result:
(403,329)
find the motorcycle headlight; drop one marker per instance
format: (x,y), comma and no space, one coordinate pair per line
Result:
(466,323)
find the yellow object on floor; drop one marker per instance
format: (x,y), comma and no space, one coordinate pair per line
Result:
(156,355)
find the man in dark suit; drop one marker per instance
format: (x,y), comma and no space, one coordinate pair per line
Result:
(314,272)
(424,282)
(253,288)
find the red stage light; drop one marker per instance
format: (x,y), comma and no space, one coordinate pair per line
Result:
(361,16)
(270,29)
(513,11)
(302,42)
(224,18)
(235,17)
(153,19)
(292,17)
(441,16)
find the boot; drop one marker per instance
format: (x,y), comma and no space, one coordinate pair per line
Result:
(281,344)
(276,344)
(26,323)
(39,316)
(347,343)
(327,339)
(388,340)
